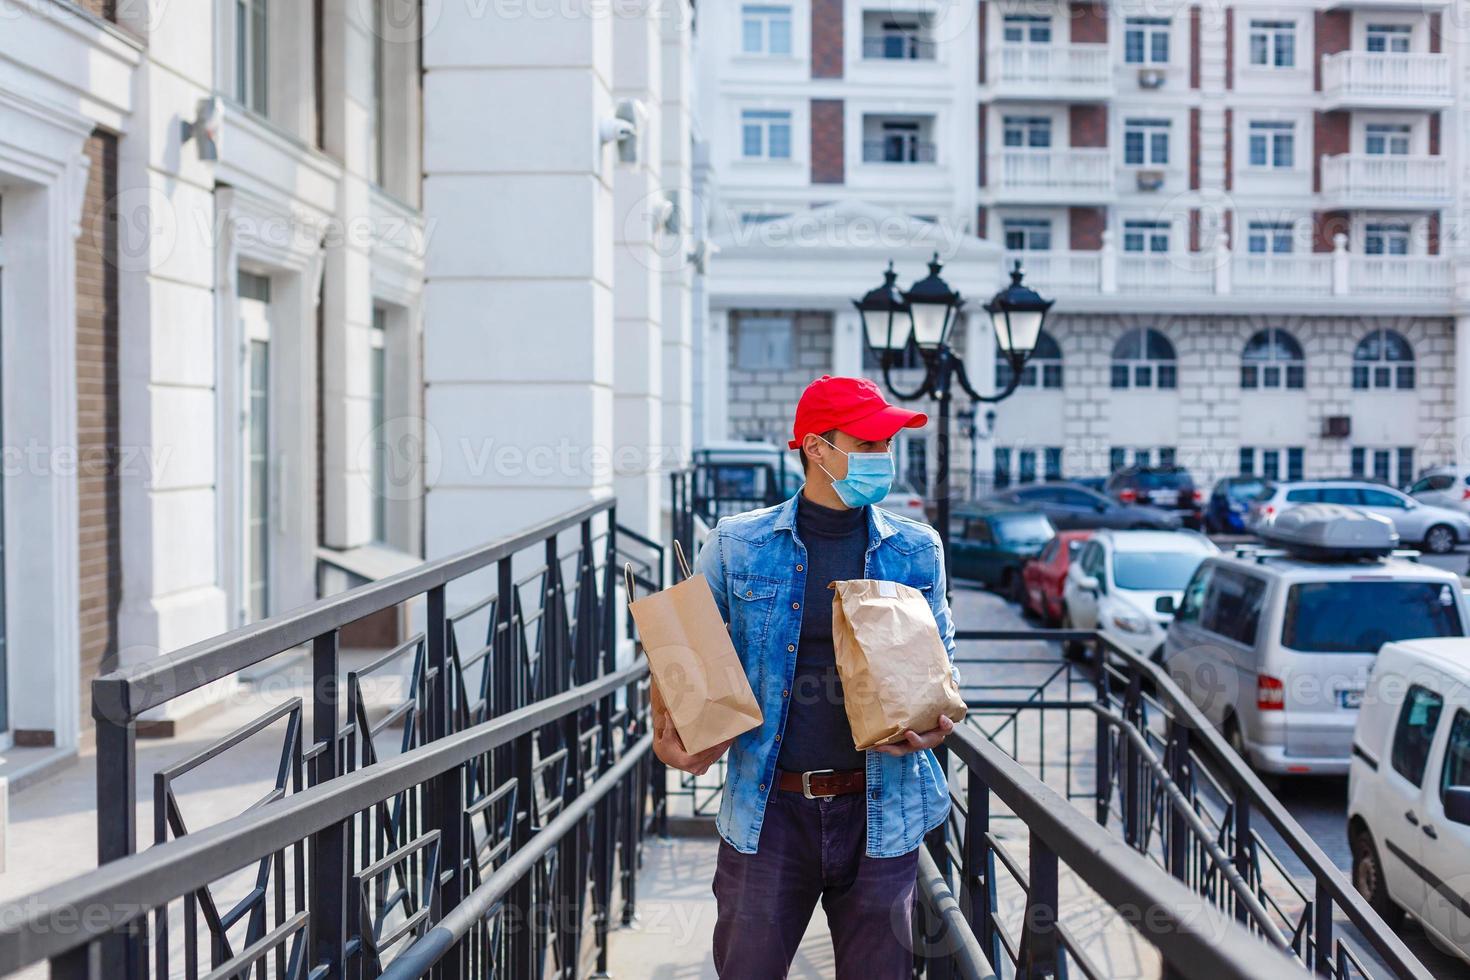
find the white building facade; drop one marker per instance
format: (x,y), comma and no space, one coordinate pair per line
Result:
(1249,217)
(259,267)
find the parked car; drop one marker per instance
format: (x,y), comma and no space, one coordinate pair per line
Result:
(903,500)
(1443,486)
(990,543)
(1068,505)
(1438,529)
(1275,646)
(1091,482)
(1169,488)
(1229,502)
(731,476)
(1409,789)
(1044,576)
(1125,585)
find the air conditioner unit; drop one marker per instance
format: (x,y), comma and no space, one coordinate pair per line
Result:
(1337,426)
(1150,78)
(1150,180)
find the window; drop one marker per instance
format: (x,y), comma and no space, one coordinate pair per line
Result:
(251,54)
(1146,41)
(897,41)
(1418,719)
(1053,463)
(1263,237)
(1002,470)
(1392,465)
(1146,236)
(378,410)
(764,343)
(1233,607)
(899,142)
(1271,143)
(1027,131)
(1359,617)
(1390,38)
(1386,139)
(1267,463)
(1193,599)
(1273,43)
(765,29)
(1043,369)
(1027,234)
(766,134)
(1383,359)
(1385,239)
(1456,771)
(1026,29)
(1143,358)
(1272,359)
(1117,458)
(1146,142)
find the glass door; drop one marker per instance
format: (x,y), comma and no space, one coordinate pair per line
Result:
(256,469)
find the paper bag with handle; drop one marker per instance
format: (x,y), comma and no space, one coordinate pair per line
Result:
(697,676)
(895,671)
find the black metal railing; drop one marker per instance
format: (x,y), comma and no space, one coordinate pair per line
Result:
(515,715)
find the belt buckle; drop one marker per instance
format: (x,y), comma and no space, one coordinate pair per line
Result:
(806,784)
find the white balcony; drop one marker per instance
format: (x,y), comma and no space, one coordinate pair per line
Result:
(1065,72)
(1294,274)
(1057,273)
(1400,275)
(1052,176)
(1361,180)
(1166,272)
(1378,80)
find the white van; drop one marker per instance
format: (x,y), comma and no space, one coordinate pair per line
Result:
(1276,646)
(1409,789)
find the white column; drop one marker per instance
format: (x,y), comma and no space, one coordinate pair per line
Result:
(518,294)
(717,376)
(676,125)
(847,344)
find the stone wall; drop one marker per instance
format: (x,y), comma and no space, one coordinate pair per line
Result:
(762,403)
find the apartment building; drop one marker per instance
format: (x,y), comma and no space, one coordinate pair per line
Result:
(274,294)
(1249,216)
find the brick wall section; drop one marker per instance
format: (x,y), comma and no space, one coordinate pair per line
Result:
(1194,229)
(980,141)
(1436,25)
(982,221)
(99,546)
(761,402)
(1326,225)
(1088,125)
(1089,23)
(826,38)
(1331,132)
(981,26)
(1194,148)
(107,10)
(1085,228)
(1229,224)
(1431,244)
(1229,149)
(1194,26)
(1333,33)
(1434,118)
(1229,47)
(827,141)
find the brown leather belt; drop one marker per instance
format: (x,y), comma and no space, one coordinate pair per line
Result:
(823,782)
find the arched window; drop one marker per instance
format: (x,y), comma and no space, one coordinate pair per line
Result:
(1273,359)
(1043,370)
(1144,358)
(1383,359)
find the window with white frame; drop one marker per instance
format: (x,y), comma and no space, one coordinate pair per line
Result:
(1386,139)
(1383,359)
(1027,234)
(1268,237)
(252,71)
(1268,463)
(1388,38)
(1146,142)
(1146,235)
(765,28)
(1394,464)
(1144,358)
(765,134)
(1385,238)
(1043,368)
(1146,41)
(1272,144)
(1025,464)
(1273,359)
(1027,131)
(1026,29)
(1273,43)
(764,343)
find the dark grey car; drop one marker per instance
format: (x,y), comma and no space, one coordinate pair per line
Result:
(1070,506)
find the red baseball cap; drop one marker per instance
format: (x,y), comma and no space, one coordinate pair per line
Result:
(852,405)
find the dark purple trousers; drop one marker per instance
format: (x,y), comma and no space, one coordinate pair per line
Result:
(812,849)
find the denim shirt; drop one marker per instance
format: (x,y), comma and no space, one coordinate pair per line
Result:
(755,564)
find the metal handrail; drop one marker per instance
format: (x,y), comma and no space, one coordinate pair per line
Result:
(963,951)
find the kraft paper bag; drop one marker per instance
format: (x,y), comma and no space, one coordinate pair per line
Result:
(895,671)
(697,676)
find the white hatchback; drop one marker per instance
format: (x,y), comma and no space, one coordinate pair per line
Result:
(1409,788)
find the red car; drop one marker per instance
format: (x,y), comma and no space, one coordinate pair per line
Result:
(1043,576)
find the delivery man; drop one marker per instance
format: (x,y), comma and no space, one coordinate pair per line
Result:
(804,815)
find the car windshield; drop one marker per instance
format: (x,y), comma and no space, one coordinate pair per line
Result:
(1024,529)
(1359,617)
(1163,479)
(1154,571)
(1244,491)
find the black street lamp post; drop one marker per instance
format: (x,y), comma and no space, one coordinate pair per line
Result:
(925,315)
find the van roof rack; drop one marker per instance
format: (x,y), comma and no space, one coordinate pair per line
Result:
(1332,533)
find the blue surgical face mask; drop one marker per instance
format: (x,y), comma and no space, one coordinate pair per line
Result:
(869,477)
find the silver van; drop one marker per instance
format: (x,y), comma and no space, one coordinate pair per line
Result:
(1276,646)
